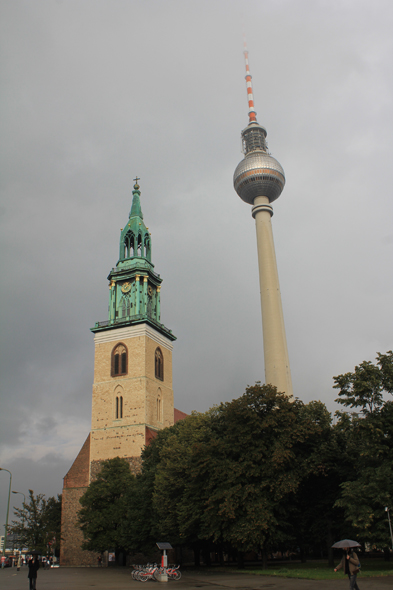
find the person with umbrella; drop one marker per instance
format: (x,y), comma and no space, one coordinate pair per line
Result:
(34,566)
(350,562)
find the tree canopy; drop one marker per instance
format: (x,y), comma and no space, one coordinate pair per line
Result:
(369,486)
(101,517)
(38,523)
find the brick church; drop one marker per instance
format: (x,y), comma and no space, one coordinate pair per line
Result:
(132,389)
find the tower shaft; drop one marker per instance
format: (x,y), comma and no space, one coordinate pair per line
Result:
(277,370)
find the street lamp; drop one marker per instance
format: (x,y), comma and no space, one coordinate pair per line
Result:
(23,513)
(390,525)
(8,509)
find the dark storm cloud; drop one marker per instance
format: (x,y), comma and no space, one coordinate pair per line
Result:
(96,92)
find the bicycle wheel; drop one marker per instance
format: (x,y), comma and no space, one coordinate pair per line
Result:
(143,577)
(177,575)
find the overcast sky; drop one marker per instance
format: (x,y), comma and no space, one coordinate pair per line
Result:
(96,92)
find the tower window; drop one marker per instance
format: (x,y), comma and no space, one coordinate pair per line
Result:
(119,407)
(159,408)
(159,365)
(119,360)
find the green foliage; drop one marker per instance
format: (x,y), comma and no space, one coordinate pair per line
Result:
(180,492)
(101,517)
(230,475)
(369,486)
(38,523)
(259,458)
(364,388)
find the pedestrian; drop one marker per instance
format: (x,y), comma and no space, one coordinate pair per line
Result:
(19,562)
(350,563)
(34,566)
(99,561)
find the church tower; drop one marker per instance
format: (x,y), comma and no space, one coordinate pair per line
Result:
(132,389)
(259,180)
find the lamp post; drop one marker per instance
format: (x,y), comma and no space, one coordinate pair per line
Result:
(23,513)
(390,525)
(8,509)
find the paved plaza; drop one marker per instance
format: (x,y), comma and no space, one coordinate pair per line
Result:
(120,579)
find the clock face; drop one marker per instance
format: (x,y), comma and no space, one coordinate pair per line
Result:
(150,291)
(126,287)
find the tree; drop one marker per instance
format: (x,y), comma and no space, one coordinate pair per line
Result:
(101,517)
(261,456)
(364,388)
(229,476)
(180,485)
(39,523)
(369,488)
(317,522)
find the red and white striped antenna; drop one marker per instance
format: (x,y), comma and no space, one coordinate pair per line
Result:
(252,114)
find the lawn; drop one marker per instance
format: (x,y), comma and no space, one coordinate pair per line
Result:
(315,570)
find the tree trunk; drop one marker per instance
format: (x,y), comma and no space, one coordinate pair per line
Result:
(221,556)
(330,543)
(197,557)
(206,555)
(302,553)
(240,560)
(264,559)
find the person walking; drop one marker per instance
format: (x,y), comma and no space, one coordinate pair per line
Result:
(350,564)
(34,566)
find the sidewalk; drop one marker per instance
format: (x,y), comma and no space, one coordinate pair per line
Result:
(120,579)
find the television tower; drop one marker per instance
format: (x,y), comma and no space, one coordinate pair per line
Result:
(259,180)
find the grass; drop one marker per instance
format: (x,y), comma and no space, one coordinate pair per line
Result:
(314,570)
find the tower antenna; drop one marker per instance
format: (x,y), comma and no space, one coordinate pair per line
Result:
(252,115)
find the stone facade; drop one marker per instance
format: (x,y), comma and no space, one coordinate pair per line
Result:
(146,400)
(75,485)
(147,407)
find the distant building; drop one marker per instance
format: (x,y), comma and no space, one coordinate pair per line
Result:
(132,389)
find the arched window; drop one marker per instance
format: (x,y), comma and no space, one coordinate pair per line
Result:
(119,360)
(119,407)
(147,246)
(125,306)
(159,365)
(129,245)
(159,406)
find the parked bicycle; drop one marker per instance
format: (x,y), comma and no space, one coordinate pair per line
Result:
(151,571)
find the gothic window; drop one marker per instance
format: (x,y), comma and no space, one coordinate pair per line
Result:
(119,360)
(147,246)
(159,406)
(129,245)
(140,249)
(125,306)
(159,365)
(119,407)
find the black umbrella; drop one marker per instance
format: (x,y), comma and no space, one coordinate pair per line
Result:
(345,543)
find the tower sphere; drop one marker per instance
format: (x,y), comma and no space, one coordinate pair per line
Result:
(258,174)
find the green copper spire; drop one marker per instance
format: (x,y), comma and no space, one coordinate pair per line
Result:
(134,287)
(135,238)
(136,210)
